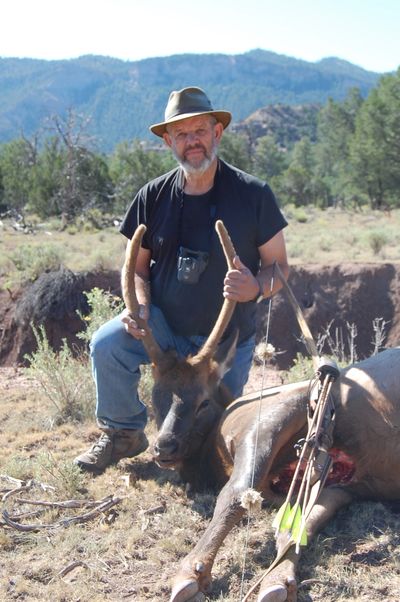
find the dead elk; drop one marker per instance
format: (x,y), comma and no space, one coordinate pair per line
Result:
(188,402)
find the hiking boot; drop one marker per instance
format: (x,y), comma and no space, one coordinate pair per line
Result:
(128,443)
(111,447)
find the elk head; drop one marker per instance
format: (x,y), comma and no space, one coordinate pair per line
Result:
(188,396)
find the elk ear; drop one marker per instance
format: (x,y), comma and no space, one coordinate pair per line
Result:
(226,352)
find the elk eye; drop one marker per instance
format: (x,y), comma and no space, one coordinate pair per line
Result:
(204,404)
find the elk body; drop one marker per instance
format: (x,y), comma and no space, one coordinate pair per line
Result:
(212,442)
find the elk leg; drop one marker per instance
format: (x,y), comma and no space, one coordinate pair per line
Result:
(280,584)
(195,572)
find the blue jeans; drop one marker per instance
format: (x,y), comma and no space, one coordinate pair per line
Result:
(116,359)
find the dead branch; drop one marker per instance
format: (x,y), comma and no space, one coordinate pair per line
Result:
(71,566)
(66,504)
(23,528)
(102,507)
(23,486)
(23,515)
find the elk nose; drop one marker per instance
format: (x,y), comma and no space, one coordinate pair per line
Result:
(166,446)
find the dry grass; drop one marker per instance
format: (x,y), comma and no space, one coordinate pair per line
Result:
(325,237)
(131,552)
(335,235)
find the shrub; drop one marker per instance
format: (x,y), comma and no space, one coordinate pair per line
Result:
(65,379)
(30,261)
(302,369)
(377,240)
(103,307)
(65,476)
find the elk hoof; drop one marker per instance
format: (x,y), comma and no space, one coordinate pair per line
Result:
(279,592)
(273,593)
(184,591)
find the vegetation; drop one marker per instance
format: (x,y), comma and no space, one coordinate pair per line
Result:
(122,98)
(132,550)
(319,236)
(350,159)
(339,190)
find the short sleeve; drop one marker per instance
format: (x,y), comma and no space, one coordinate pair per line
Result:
(270,219)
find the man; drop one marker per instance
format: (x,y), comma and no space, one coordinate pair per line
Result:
(180,272)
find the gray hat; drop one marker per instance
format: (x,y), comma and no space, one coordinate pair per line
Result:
(186,103)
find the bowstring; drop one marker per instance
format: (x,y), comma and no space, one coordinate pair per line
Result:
(253,467)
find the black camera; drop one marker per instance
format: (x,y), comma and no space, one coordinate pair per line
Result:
(191,264)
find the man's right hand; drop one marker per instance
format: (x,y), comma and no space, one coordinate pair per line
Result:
(131,326)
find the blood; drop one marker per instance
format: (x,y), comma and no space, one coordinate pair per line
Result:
(342,471)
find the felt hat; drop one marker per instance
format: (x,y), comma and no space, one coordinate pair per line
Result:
(189,102)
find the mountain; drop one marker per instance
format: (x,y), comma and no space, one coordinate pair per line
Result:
(124,97)
(285,123)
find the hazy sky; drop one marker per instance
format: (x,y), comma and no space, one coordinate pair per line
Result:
(364,32)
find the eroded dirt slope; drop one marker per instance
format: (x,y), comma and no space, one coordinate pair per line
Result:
(336,296)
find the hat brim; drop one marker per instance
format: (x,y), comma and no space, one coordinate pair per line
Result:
(224,117)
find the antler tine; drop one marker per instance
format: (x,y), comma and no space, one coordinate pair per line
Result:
(209,347)
(226,243)
(129,293)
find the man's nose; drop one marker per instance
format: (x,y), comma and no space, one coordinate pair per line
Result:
(191,137)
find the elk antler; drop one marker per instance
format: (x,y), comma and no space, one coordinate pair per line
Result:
(129,294)
(210,345)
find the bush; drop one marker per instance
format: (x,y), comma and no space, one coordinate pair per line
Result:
(103,307)
(377,240)
(302,369)
(65,379)
(30,261)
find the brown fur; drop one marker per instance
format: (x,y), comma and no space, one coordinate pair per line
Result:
(367,401)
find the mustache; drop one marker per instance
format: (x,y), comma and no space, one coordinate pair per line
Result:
(197,146)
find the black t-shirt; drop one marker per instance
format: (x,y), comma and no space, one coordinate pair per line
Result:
(249,212)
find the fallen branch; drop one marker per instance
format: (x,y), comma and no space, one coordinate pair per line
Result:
(102,506)
(18,517)
(23,528)
(71,566)
(23,486)
(66,504)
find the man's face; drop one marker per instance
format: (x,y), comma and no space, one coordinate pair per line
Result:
(194,142)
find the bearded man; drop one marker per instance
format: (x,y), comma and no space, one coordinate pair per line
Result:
(181,276)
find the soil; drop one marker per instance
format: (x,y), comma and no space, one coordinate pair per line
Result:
(335,295)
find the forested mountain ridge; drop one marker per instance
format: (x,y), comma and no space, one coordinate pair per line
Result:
(123,98)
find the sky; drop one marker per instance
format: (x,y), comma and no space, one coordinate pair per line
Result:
(363,32)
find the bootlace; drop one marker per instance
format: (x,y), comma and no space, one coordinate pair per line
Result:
(101,443)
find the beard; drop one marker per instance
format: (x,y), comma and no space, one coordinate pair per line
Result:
(202,166)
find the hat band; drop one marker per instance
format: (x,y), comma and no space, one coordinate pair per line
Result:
(188,110)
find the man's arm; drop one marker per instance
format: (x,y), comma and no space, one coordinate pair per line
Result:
(240,284)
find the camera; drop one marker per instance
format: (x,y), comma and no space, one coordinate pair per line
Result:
(191,264)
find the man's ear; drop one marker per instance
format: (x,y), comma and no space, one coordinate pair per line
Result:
(226,352)
(218,129)
(167,139)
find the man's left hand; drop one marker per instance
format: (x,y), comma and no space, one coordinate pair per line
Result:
(240,284)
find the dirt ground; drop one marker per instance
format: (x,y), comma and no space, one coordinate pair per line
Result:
(133,551)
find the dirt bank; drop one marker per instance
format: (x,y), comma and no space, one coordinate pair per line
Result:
(336,296)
